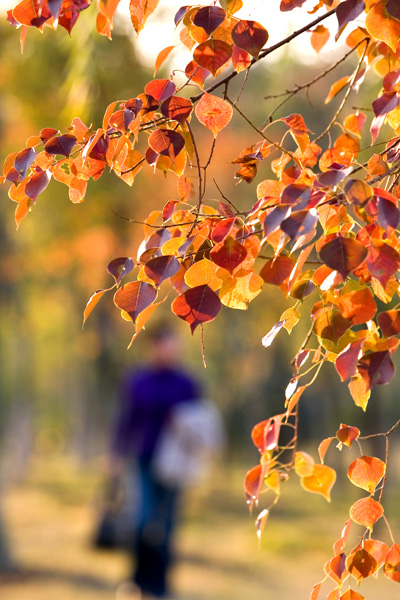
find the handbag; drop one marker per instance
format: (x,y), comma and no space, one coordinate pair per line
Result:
(192,435)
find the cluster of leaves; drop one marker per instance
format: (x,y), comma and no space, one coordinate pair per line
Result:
(326,224)
(369,555)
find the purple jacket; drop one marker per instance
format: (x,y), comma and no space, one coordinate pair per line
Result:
(148,394)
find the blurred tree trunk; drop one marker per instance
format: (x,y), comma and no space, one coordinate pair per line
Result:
(6,561)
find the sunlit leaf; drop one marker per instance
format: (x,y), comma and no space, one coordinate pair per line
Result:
(319,36)
(213,112)
(392,563)
(212,55)
(382,26)
(92,302)
(320,482)
(160,89)
(330,325)
(359,306)
(166,142)
(161,267)
(209,17)
(366,472)
(323,448)
(303,464)
(177,108)
(335,568)
(347,434)
(346,361)
(119,267)
(197,305)
(343,254)
(134,297)
(140,10)
(376,368)
(250,36)
(229,254)
(366,512)
(205,272)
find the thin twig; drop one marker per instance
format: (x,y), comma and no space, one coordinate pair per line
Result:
(347,94)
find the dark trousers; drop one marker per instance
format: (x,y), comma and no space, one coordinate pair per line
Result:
(152,547)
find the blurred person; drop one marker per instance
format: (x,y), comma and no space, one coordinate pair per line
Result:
(149,395)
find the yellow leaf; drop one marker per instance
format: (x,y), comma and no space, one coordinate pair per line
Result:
(382,26)
(236,292)
(291,318)
(205,272)
(303,464)
(320,482)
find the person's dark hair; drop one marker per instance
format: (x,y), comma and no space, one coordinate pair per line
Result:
(160,330)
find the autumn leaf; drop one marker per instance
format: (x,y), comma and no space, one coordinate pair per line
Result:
(366,472)
(212,55)
(320,482)
(366,512)
(197,305)
(213,112)
(134,297)
(392,563)
(250,36)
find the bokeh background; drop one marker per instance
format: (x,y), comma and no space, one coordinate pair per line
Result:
(59,384)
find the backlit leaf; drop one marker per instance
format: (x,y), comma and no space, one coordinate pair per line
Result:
(212,55)
(323,448)
(134,297)
(240,59)
(177,108)
(237,292)
(389,322)
(366,472)
(343,254)
(303,464)
(359,306)
(277,270)
(197,305)
(330,325)
(351,595)
(366,512)
(336,88)
(347,434)
(213,112)
(348,11)
(162,57)
(161,267)
(166,142)
(392,563)
(160,89)
(361,564)
(271,335)
(209,17)
(265,435)
(382,26)
(205,272)
(320,482)
(140,10)
(229,254)
(335,568)
(252,484)
(250,36)
(37,184)
(92,302)
(119,267)
(296,123)
(376,368)
(319,36)
(346,361)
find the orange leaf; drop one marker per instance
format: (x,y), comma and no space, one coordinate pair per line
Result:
(92,302)
(303,464)
(392,564)
(134,297)
(212,55)
(323,448)
(351,595)
(320,482)
(361,564)
(319,36)
(366,472)
(213,112)
(359,306)
(382,26)
(140,10)
(366,512)
(346,434)
(336,87)
(162,57)
(205,272)
(335,568)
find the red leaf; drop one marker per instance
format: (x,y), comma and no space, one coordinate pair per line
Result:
(265,435)
(250,36)
(229,254)
(385,104)
(277,270)
(343,255)
(160,89)
(196,73)
(169,209)
(134,297)
(212,55)
(119,267)
(31,13)
(383,261)
(209,18)
(177,108)
(222,229)
(376,368)
(389,322)
(240,59)
(197,305)
(61,144)
(161,267)
(361,564)
(253,483)
(296,124)
(167,142)
(346,361)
